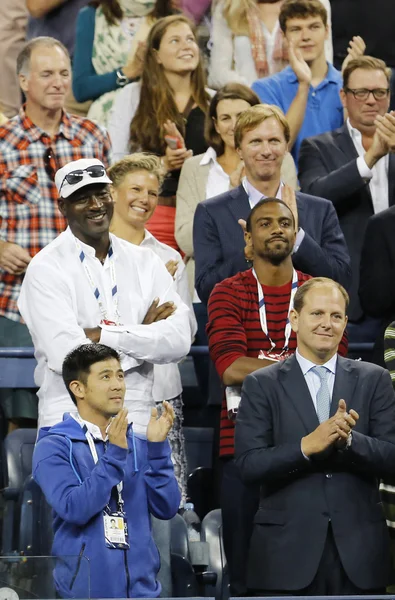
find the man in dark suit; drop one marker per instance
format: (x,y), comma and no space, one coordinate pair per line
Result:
(354,168)
(317,431)
(261,138)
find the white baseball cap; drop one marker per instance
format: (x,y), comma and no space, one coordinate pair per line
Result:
(78,174)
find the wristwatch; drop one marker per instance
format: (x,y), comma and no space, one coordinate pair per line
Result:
(121,78)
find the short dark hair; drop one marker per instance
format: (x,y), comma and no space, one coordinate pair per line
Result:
(369,63)
(77,364)
(313,282)
(294,9)
(262,202)
(24,56)
(230,91)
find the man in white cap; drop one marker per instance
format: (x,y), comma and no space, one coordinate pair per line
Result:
(90,286)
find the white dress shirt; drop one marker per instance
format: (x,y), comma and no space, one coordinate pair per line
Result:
(167,379)
(57,303)
(312,379)
(377,175)
(218,181)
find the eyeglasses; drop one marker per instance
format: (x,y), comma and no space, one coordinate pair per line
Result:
(363,93)
(76,176)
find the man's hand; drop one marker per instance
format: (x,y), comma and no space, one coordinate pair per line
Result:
(157,313)
(116,431)
(377,150)
(237,175)
(158,429)
(13,258)
(385,127)
(336,429)
(248,250)
(289,197)
(93,333)
(299,65)
(172,266)
(356,48)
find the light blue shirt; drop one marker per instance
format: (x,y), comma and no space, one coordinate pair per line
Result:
(324,110)
(312,379)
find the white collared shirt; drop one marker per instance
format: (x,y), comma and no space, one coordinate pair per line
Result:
(312,379)
(57,304)
(167,379)
(218,181)
(254,196)
(93,429)
(377,175)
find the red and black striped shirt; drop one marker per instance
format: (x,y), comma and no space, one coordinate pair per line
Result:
(234,329)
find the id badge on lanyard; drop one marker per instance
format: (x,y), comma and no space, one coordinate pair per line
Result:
(263,318)
(115,524)
(105,320)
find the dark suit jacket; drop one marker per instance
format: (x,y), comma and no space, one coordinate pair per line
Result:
(377,273)
(298,496)
(328,168)
(218,240)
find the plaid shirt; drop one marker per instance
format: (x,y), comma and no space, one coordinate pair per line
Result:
(29,159)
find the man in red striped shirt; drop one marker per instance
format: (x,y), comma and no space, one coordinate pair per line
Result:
(249,329)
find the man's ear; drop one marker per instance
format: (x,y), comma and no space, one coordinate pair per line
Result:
(78,389)
(294,320)
(248,238)
(23,82)
(343,97)
(61,206)
(113,193)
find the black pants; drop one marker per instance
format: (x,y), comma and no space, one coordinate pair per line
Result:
(239,503)
(330,579)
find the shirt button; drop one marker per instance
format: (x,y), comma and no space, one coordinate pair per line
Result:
(313,94)
(328,475)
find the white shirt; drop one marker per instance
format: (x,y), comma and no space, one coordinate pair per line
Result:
(93,429)
(218,181)
(254,196)
(57,303)
(167,379)
(377,176)
(312,379)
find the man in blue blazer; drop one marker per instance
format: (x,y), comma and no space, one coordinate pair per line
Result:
(317,432)
(261,138)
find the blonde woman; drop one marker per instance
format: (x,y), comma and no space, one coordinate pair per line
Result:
(247,42)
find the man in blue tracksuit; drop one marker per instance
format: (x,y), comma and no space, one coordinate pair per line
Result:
(103,483)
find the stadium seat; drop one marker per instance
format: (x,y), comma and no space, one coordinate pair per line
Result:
(212,533)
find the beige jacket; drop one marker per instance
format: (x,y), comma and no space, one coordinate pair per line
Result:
(192,190)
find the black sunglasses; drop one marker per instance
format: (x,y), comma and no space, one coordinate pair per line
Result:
(76,176)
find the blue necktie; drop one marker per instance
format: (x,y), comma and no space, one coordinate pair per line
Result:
(323,395)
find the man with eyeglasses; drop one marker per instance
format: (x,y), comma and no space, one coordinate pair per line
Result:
(354,168)
(90,286)
(33,145)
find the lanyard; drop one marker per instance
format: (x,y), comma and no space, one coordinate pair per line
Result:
(95,457)
(95,289)
(262,310)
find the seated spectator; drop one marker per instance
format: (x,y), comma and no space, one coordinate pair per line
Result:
(79,464)
(244,338)
(307,91)
(247,42)
(41,139)
(353,167)
(220,168)
(316,432)
(261,139)
(135,188)
(110,46)
(173,103)
(90,286)
(55,18)
(13,23)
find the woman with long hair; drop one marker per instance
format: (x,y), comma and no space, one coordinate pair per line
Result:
(110,45)
(164,114)
(247,42)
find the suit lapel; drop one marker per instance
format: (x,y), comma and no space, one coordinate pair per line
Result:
(291,378)
(346,145)
(391,179)
(345,381)
(239,204)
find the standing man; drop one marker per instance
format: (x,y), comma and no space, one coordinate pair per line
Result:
(249,329)
(317,432)
(355,168)
(261,138)
(103,482)
(88,285)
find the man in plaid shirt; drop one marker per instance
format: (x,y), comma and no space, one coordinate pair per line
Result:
(33,146)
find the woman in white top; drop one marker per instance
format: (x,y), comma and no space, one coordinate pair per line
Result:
(135,188)
(170,100)
(219,168)
(247,42)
